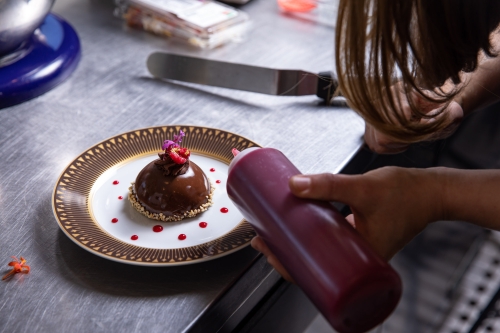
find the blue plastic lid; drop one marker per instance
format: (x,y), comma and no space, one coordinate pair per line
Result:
(45,60)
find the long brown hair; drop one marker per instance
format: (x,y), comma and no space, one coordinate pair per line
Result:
(420,43)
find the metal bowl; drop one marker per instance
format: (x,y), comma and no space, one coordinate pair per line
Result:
(18,20)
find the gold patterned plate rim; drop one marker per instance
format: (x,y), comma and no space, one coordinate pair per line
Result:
(71,196)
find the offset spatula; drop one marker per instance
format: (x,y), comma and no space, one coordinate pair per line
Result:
(282,82)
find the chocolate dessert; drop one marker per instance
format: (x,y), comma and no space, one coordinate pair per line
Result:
(172,187)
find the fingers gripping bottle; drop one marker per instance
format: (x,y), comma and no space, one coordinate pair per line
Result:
(346,280)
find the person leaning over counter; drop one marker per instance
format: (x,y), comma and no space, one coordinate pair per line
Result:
(446,56)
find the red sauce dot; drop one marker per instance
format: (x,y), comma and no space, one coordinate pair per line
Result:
(203,224)
(224,210)
(134,237)
(212,170)
(120,197)
(114,220)
(218,181)
(182,237)
(116,182)
(157,228)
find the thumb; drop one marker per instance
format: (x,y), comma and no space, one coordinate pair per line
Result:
(326,186)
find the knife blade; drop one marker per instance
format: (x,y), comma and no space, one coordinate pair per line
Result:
(282,82)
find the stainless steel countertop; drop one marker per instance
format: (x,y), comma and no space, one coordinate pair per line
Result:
(71,290)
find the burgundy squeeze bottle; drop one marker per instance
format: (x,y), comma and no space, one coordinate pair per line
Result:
(346,280)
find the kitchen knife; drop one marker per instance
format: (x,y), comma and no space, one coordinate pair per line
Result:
(282,82)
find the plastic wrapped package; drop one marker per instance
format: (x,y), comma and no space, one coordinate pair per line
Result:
(203,23)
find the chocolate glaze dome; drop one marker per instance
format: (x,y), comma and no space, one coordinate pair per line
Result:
(167,190)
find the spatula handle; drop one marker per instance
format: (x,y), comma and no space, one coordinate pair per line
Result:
(327,85)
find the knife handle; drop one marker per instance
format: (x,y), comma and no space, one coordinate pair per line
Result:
(327,85)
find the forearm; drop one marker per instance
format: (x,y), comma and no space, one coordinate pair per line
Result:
(469,195)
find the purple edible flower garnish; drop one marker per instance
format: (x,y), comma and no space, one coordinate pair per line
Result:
(178,138)
(174,151)
(169,144)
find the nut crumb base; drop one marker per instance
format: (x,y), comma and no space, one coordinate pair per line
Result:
(173,218)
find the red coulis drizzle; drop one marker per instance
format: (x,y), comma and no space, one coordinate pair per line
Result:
(157,228)
(203,224)
(212,170)
(116,182)
(218,181)
(182,237)
(114,220)
(224,210)
(120,197)
(134,237)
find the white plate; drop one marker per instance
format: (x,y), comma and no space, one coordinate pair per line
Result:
(91,205)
